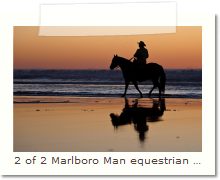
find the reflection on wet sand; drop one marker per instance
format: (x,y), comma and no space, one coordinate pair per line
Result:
(84,125)
(138,115)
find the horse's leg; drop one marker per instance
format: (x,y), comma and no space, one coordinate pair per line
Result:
(126,103)
(136,86)
(159,88)
(151,90)
(155,85)
(126,87)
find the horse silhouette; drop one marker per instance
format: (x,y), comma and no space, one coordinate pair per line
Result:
(137,73)
(139,116)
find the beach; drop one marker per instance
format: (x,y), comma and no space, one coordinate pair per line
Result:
(107,124)
(67,92)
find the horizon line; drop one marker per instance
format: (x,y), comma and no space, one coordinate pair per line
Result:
(98,69)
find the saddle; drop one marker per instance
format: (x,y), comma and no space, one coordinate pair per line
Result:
(140,61)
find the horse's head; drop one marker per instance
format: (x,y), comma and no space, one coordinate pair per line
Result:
(114,63)
(119,120)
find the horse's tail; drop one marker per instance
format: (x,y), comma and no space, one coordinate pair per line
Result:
(162,80)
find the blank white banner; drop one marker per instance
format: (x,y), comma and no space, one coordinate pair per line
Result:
(107,19)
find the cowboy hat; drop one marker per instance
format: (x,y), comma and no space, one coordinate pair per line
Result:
(142,43)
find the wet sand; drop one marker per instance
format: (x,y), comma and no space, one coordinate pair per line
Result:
(68,124)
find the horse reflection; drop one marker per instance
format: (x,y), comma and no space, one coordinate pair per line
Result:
(138,115)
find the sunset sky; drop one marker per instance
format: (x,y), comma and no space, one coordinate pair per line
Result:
(181,50)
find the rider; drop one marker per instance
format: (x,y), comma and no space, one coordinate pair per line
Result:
(141,54)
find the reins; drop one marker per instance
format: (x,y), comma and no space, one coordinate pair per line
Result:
(129,60)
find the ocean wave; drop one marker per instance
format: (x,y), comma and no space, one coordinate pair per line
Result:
(100,83)
(98,75)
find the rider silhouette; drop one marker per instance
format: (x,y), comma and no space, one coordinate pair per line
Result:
(141,54)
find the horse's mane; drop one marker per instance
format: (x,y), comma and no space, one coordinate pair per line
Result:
(124,60)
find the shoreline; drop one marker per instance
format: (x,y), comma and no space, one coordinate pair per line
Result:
(68,99)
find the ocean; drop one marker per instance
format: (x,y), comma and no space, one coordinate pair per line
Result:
(102,83)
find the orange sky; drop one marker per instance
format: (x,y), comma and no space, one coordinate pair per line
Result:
(182,49)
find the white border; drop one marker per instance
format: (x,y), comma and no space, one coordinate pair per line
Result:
(206,157)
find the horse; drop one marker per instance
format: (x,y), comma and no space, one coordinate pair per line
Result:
(137,73)
(139,116)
